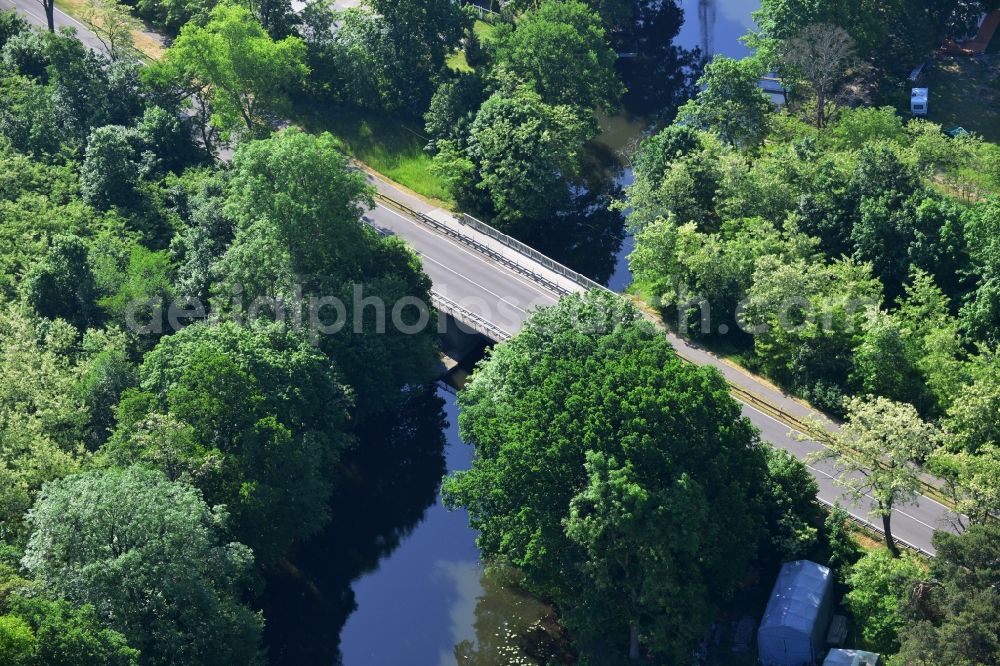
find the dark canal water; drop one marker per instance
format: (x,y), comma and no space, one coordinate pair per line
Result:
(428,602)
(396,579)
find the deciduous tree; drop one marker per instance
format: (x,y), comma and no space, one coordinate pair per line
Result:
(259,399)
(822,55)
(112,24)
(973,482)
(603,467)
(110,172)
(148,553)
(246,75)
(43,420)
(878,450)
(731,102)
(70,636)
(522,148)
(956,607)
(560,49)
(62,284)
(880,593)
(297,208)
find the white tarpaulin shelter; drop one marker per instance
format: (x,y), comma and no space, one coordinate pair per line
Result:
(851,658)
(793,630)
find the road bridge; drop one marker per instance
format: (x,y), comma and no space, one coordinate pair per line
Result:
(491,283)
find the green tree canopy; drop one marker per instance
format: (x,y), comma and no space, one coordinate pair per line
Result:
(246,75)
(253,415)
(806,319)
(878,450)
(621,481)
(791,508)
(297,209)
(731,102)
(521,149)
(880,592)
(18,644)
(43,419)
(956,609)
(973,482)
(894,34)
(70,636)
(981,313)
(974,415)
(419,36)
(109,175)
(62,284)
(560,49)
(147,554)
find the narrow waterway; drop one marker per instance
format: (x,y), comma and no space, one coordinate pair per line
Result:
(420,602)
(429,603)
(396,579)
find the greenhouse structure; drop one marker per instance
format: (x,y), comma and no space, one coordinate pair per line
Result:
(793,629)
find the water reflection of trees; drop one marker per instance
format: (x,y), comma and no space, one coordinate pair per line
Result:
(389,481)
(513,628)
(659,74)
(581,232)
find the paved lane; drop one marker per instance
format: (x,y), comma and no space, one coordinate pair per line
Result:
(504,296)
(912,523)
(497,294)
(34,14)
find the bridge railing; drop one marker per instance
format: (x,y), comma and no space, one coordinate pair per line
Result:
(474,321)
(496,333)
(466,239)
(528,252)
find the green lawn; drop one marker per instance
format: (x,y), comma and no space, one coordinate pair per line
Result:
(391,145)
(456,60)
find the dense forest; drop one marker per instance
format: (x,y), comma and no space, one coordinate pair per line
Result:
(178,411)
(160,447)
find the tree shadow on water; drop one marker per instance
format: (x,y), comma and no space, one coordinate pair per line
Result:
(385,487)
(582,232)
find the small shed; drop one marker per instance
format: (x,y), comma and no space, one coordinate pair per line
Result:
(918,101)
(851,658)
(793,629)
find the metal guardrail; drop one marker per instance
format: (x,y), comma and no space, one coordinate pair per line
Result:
(442,228)
(860,522)
(928,489)
(496,333)
(469,318)
(529,252)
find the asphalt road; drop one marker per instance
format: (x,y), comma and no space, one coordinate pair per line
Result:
(912,523)
(34,13)
(505,297)
(499,294)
